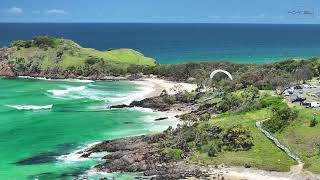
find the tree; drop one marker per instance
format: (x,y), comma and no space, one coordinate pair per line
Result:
(303,73)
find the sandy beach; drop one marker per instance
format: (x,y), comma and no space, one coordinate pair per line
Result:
(158,85)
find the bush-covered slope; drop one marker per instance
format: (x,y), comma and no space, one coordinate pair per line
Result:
(59,58)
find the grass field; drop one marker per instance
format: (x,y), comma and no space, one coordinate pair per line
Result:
(264,154)
(303,139)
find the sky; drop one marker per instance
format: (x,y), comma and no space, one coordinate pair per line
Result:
(162,11)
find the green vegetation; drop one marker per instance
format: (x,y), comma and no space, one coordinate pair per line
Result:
(275,76)
(282,117)
(172,153)
(59,58)
(303,139)
(232,137)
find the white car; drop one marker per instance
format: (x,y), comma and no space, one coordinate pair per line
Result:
(286,93)
(306,86)
(315,104)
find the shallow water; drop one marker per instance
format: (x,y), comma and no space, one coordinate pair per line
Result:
(41,121)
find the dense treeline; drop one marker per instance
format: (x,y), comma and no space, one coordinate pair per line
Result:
(265,76)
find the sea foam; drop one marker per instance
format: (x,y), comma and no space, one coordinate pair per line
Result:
(48,79)
(143,90)
(30,107)
(58,92)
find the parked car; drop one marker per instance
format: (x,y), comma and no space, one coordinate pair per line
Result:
(286,93)
(306,86)
(315,104)
(307,104)
(290,90)
(298,99)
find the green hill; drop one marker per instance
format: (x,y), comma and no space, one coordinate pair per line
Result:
(45,56)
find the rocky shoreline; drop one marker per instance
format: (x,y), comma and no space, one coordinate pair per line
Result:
(139,154)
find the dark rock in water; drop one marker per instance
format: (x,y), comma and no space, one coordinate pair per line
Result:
(39,159)
(158,103)
(160,119)
(120,106)
(128,123)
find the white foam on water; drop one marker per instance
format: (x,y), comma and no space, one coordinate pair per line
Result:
(58,92)
(30,77)
(76,155)
(48,79)
(30,107)
(144,89)
(142,109)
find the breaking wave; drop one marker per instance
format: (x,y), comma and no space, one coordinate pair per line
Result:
(30,107)
(58,92)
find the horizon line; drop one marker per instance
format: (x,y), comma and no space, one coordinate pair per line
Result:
(158,23)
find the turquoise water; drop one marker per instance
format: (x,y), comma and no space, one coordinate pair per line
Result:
(49,120)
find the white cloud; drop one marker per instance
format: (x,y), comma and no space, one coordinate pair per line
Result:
(57,12)
(13,11)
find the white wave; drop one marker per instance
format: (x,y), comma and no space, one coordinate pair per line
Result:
(144,89)
(76,155)
(77,80)
(30,107)
(142,109)
(48,79)
(58,92)
(30,77)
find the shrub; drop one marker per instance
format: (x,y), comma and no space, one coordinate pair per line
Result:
(170,99)
(43,42)
(213,149)
(313,122)
(172,153)
(238,138)
(189,119)
(267,101)
(93,60)
(282,116)
(21,43)
(186,97)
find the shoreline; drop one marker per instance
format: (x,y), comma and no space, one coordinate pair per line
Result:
(232,173)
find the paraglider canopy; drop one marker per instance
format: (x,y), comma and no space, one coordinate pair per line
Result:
(221,71)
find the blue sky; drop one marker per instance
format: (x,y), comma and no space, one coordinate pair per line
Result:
(161,11)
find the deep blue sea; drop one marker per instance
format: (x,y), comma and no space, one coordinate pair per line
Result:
(174,43)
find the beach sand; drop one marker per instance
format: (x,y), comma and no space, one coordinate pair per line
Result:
(158,85)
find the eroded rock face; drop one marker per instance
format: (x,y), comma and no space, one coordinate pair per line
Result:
(6,71)
(3,55)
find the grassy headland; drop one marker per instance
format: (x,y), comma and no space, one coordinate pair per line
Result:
(61,58)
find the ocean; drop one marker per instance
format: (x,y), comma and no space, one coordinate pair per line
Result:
(177,43)
(43,123)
